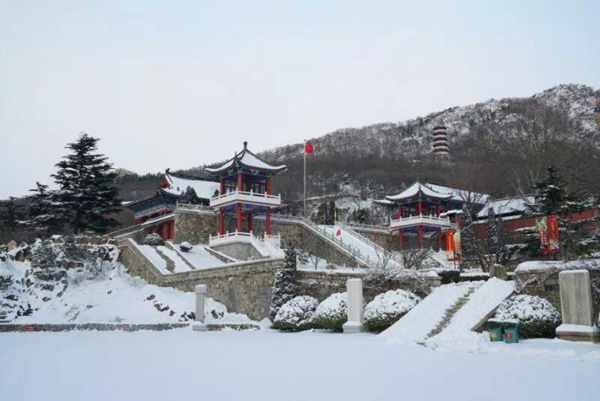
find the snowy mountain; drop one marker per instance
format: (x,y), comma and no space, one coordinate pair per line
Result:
(413,138)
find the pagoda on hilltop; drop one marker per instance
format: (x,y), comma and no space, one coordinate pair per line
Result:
(244,192)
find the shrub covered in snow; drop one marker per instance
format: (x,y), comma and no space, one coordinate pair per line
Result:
(332,313)
(185,246)
(537,317)
(296,314)
(153,239)
(285,287)
(387,308)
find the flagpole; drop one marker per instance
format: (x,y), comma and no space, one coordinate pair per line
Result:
(304,211)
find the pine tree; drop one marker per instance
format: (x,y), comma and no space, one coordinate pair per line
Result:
(10,215)
(44,256)
(189,196)
(43,218)
(552,197)
(498,251)
(469,244)
(86,196)
(285,286)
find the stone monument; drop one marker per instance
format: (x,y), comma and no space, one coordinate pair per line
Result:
(355,307)
(577,307)
(199,324)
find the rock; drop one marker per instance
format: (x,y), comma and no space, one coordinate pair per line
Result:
(46,299)
(109,292)
(171,313)
(161,308)
(499,272)
(48,287)
(11,245)
(150,297)
(185,246)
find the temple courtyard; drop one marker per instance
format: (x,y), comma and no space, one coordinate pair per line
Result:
(270,365)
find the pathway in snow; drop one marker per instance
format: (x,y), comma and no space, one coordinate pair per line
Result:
(423,318)
(354,241)
(480,304)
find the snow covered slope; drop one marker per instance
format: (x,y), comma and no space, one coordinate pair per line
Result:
(480,304)
(423,318)
(107,296)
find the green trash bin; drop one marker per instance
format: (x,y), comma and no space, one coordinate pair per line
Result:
(495,330)
(511,331)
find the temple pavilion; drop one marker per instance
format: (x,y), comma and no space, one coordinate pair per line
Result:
(426,211)
(164,201)
(244,191)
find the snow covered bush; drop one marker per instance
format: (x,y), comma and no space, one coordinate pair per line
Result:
(185,246)
(387,308)
(332,313)
(44,255)
(296,314)
(537,317)
(153,239)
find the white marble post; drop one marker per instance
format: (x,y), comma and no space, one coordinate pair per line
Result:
(577,307)
(355,307)
(199,324)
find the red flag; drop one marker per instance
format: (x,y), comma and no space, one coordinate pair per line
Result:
(339,232)
(308,147)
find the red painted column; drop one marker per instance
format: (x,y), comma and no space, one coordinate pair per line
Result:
(401,238)
(419,207)
(439,210)
(249,217)
(399,214)
(221,222)
(239,217)
(268,222)
(239,181)
(421,236)
(165,231)
(222,187)
(268,186)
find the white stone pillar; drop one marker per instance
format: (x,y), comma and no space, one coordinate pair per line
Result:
(199,324)
(355,307)
(577,307)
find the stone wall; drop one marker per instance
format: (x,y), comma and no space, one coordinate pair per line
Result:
(303,238)
(544,283)
(239,250)
(194,226)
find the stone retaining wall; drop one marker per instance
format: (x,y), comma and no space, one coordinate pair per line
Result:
(544,283)
(195,227)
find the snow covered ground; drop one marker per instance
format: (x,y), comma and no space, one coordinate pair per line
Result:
(267,365)
(111,296)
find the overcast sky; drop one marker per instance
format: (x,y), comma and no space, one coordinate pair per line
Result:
(178,84)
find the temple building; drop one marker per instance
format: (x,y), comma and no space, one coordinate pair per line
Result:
(172,188)
(426,211)
(244,192)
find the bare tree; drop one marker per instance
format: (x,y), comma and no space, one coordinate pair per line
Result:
(414,258)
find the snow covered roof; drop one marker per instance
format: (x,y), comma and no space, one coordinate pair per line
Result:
(176,185)
(506,206)
(437,191)
(245,159)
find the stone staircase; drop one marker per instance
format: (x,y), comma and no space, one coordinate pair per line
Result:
(450,312)
(170,263)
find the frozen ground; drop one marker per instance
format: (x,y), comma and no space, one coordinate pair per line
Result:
(268,365)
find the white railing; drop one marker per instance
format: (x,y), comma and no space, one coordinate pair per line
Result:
(421,219)
(245,196)
(259,243)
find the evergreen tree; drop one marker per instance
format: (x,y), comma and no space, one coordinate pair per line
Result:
(10,215)
(86,196)
(469,243)
(43,219)
(498,251)
(285,286)
(189,196)
(576,236)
